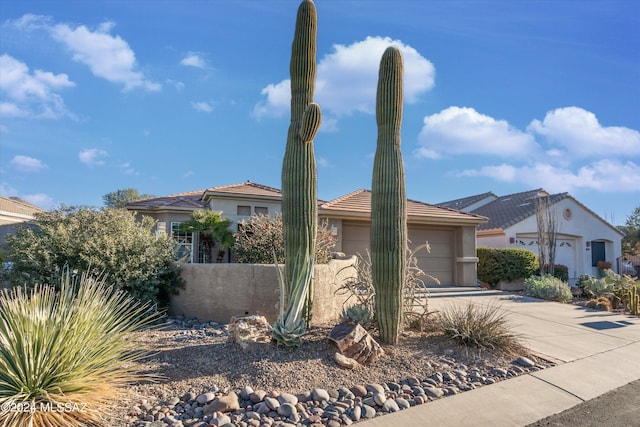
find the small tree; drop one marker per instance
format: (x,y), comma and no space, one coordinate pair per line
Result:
(547,235)
(631,229)
(120,198)
(259,237)
(133,257)
(212,229)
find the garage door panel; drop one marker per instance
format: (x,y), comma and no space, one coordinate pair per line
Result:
(437,263)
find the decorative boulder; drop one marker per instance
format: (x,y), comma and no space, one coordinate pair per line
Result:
(345,362)
(354,342)
(249,330)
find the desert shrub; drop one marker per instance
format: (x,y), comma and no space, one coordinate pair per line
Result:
(261,235)
(560,271)
(136,259)
(69,349)
(475,325)
(509,264)
(547,287)
(595,287)
(415,297)
(600,303)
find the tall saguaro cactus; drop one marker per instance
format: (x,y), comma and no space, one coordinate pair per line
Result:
(388,200)
(299,186)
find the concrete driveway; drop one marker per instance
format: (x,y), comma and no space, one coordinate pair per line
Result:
(596,352)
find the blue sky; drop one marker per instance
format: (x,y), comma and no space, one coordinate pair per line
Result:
(174,96)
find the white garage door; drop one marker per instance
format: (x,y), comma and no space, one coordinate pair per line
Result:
(438,263)
(565,251)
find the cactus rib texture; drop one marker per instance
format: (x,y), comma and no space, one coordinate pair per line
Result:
(299,186)
(388,201)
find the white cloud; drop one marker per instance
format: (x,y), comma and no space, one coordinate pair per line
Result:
(27,164)
(464,131)
(347,79)
(580,133)
(193,60)
(108,56)
(179,86)
(603,175)
(92,156)
(503,172)
(31,94)
(203,107)
(556,154)
(39,199)
(30,22)
(323,162)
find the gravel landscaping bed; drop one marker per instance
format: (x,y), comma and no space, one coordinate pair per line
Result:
(208,380)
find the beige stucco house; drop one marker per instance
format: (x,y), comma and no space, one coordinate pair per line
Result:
(450,233)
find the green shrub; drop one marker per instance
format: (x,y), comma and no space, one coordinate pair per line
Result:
(479,326)
(261,235)
(547,287)
(134,257)
(509,264)
(67,349)
(560,271)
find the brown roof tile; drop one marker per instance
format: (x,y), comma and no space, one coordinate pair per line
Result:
(246,188)
(359,202)
(191,199)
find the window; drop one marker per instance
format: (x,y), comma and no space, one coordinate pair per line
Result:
(184,244)
(597,253)
(244,210)
(261,210)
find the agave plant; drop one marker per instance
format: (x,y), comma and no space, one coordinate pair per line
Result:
(291,326)
(65,355)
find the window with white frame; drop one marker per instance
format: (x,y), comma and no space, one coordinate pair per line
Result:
(184,244)
(261,210)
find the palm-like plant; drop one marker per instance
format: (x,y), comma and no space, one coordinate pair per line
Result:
(65,355)
(213,228)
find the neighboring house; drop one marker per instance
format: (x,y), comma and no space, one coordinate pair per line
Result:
(583,238)
(14,213)
(451,234)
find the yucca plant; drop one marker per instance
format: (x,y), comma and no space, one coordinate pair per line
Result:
(65,355)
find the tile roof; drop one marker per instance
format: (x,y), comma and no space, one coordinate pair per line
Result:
(359,202)
(191,199)
(461,204)
(19,207)
(513,208)
(246,188)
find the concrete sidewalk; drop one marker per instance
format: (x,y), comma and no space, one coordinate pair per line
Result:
(596,352)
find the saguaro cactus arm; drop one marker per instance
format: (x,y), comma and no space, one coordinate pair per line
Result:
(388,200)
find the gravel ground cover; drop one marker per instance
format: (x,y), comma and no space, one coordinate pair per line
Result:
(208,380)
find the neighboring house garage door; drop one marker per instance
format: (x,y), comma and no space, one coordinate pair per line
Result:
(438,263)
(565,251)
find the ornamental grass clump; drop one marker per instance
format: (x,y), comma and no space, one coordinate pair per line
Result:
(64,355)
(547,287)
(483,326)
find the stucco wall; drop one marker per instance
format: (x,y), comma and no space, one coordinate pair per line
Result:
(216,292)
